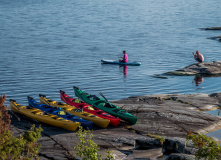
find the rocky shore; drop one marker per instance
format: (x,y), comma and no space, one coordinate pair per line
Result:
(218,38)
(205,68)
(169,117)
(213,28)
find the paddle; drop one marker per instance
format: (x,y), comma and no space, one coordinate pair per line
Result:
(106,99)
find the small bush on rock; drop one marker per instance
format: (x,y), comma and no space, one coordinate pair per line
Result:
(87,149)
(208,148)
(13,148)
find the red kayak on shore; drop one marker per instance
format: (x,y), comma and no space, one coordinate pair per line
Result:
(88,108)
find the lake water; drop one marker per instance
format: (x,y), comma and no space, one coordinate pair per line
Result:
(48,45)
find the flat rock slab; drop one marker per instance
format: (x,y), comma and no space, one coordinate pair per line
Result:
(213,28)
(215,38)
(173,115)
(206,68)
(168,116)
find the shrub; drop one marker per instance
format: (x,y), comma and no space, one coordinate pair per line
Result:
(208,148)
(87,149)
(24,147)
(159,138)
(4,116)
(13,148)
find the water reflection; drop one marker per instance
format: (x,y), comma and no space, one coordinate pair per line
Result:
(124,69)
(216,133)
(198,79)
(215,112)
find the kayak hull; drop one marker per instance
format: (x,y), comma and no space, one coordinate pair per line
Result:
(114,121)
(104,61)
(105,106)
(100,122)
(58,112)
(41,116)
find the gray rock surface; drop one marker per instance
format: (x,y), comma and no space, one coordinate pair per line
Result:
(213,28)
(218,38)
(206,68)
(167,116)
(180,156)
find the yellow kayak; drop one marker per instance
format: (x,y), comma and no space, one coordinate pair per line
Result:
(101,122)
(41,116)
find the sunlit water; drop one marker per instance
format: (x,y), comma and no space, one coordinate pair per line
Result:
(48,45)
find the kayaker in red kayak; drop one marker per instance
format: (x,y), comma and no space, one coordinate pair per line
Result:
(124,58)
(198,57)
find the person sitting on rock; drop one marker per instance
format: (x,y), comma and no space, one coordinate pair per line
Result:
(198,57)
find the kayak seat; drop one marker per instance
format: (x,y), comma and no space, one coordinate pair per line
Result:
(108,105)
(100,101)
(43,113)
(99,112)
(93,97)
(57,108)
(81,106)
(77,110)
(52,111)
(85,114)
(28,107)
(70,117)
(46,106)
(59,103)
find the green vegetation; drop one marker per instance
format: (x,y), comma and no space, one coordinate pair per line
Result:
(208,148)
(160,139)
(13,148)
(4,116)
(24,147)
(87,149)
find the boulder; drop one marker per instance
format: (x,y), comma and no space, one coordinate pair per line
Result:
(205,68)
(213,28)
(171,146)
(215,38)
(180,156)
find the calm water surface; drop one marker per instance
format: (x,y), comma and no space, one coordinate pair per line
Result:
(48,45)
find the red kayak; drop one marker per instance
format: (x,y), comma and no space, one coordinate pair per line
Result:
(88,108)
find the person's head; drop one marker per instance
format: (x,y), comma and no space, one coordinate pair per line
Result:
(197,52)
(124,52)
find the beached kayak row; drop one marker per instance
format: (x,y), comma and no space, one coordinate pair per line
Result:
(74,112)
(164,115)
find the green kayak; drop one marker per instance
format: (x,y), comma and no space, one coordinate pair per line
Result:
(105,106)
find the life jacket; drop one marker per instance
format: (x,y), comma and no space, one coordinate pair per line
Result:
(125,58)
